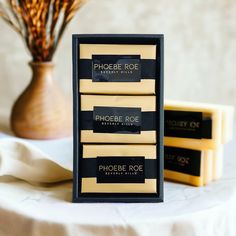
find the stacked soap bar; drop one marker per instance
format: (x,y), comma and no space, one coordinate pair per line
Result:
(118,112)
(195,134)
(118,119)
(103,180)
(120,66)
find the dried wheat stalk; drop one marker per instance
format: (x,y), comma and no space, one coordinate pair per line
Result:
(41,23)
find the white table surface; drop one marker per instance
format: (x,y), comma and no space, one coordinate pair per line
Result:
(47,210)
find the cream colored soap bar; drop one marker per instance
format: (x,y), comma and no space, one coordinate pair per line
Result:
(118,119)
(208,159)
(197,125)
(117,69)
(227,123)
(119,169)
(188,166)
(218,154)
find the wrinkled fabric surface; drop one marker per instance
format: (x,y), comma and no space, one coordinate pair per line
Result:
(35,201)
(24,161)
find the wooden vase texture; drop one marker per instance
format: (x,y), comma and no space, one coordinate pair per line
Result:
(41,111)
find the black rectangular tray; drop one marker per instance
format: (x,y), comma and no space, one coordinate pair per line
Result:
(152,39)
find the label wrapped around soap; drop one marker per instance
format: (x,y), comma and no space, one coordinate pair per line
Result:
(188,166)
(118,119)
(194,125)
(117,69)
(183,160)
(121,120)
(187,124)
(119,169)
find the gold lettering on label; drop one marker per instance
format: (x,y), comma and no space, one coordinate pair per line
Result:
(177,123)
(120,168)
(107,66)
(183,124)
(112,168)
(132,119)
(183,160)
(169,157)
(109,118)
(194,124)
(136,168)
(131,66)
(128,119)
(115,66)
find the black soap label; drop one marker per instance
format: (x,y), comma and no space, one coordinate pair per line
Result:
(117,120)
(183,124)
(116,68)
(182,160)
(120,169)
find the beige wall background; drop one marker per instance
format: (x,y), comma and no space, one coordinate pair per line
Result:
(200,46)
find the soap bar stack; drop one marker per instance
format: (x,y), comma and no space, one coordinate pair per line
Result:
(195,134)
(117,118)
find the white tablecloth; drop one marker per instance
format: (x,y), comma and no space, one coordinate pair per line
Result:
(35,210)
